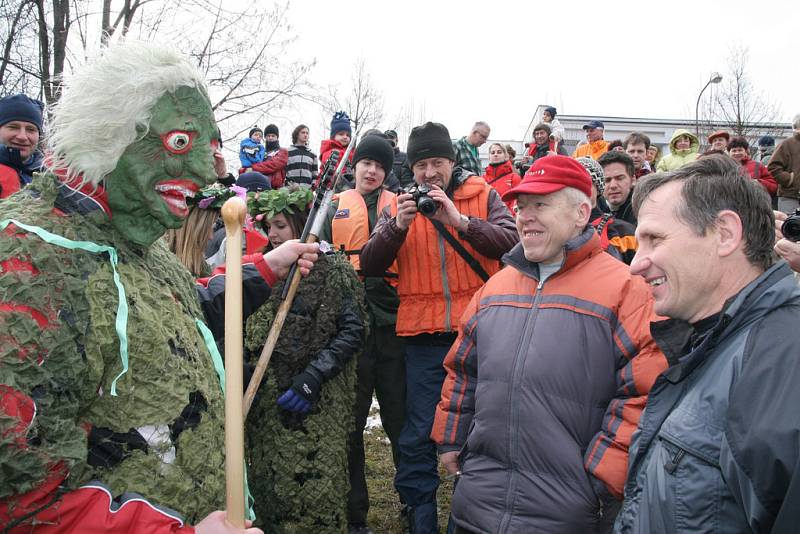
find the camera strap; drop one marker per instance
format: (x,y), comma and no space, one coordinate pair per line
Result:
(459,248)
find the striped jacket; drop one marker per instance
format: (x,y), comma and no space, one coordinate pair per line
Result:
(302,165)
(545,386)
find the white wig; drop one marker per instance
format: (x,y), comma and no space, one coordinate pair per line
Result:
(103,103)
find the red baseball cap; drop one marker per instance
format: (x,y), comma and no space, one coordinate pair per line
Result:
(550,174)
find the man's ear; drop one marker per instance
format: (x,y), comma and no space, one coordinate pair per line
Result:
(730,233)
(584,212)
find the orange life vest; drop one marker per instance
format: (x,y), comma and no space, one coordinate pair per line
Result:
(350,227)
(436,284)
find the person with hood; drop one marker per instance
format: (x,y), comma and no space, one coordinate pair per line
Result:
(500,172)
(683,148)
(20,129)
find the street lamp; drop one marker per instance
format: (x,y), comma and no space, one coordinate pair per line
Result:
(716,77)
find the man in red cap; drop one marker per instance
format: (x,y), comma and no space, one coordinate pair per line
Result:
(550,372)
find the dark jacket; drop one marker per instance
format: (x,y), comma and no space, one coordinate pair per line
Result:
(14,173)
(717,448)
(544,387)
(786,161)
(625,211)
(401,169)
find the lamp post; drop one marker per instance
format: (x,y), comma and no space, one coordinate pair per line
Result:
(715,78)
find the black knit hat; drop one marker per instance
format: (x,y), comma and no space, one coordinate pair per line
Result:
(254,130)
(21,108)
(431,140)
(376,148)
(271,129)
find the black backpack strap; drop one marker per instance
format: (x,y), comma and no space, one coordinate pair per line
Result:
(459,248)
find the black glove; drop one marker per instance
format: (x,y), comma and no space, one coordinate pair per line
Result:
(302,394)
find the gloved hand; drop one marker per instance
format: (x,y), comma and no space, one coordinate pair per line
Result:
(303,393)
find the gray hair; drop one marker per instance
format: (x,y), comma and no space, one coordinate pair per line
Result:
(480,124)
(713,184)
(106,106)
(796,122)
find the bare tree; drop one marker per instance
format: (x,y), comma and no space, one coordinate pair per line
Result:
(361,100)
(242,51)
(738,106)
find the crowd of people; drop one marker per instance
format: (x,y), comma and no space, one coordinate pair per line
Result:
(589,342)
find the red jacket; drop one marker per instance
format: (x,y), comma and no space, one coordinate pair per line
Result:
(759,172)
(273,167)
(326,147)
(502,177)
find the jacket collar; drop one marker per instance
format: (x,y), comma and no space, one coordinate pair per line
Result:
(75,196)
(773,288)
(577,250)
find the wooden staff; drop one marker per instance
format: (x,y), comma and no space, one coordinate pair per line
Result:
(313,226)
(233,213)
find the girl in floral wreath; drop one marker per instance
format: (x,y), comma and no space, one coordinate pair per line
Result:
(298,427)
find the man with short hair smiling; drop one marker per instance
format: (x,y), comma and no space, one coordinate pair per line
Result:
(618,170)
(550,372)
(20,129)
(717,448)
(636,145)
(595,146)
(467,148)
(435,284)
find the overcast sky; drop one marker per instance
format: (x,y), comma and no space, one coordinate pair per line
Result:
(463,61)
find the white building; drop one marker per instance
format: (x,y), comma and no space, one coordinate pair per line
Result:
(659,130)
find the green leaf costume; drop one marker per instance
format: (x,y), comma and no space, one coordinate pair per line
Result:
(298,465)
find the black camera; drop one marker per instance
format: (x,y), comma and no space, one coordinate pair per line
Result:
(791,227)
(425,204)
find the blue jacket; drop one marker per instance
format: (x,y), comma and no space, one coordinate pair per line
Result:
(250,152)
(717,448)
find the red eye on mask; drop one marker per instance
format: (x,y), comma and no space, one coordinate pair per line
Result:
(215,144)
(178,141)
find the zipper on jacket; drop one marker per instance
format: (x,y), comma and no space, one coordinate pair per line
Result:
(445,284)
(600,511)
(672,465)
(513,435)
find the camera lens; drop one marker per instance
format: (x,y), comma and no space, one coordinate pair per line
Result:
(426,205)
(791,228)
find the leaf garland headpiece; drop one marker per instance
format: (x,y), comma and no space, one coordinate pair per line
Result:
(267,204)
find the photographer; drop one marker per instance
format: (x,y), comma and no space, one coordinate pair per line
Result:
(435,285)
(787,247)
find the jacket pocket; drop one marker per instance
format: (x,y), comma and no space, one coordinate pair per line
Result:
(695,485)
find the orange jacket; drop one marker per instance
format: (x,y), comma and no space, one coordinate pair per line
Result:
(593,150)
(425,305)
(350,226)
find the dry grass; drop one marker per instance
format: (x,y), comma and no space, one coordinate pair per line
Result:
(384,511)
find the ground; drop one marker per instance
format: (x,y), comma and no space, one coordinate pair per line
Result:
(384,511)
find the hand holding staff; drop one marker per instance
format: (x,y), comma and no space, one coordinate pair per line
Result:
(233,213)
(319,210)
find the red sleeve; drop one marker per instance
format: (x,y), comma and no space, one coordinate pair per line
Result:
(766,179)
(274,164)
(9,181)
(256,260)
(607,455)
(91,508)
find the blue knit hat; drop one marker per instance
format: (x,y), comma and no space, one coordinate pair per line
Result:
(21,108)
(340,123)
(253,181)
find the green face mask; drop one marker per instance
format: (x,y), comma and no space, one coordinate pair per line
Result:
(148,190)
